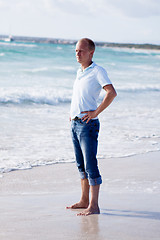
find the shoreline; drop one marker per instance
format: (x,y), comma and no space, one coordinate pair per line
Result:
(33,202)
(2,174)
(145,46)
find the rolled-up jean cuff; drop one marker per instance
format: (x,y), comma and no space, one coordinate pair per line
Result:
(95,181)
(83,175)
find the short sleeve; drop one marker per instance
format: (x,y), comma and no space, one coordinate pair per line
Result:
(102,77)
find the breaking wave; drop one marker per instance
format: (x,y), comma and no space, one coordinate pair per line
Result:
(35,97)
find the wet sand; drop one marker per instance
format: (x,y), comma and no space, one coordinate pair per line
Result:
(32,202)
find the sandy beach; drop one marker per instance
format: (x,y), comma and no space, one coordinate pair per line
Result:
(32,202)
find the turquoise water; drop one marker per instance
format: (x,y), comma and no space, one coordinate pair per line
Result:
(35,93)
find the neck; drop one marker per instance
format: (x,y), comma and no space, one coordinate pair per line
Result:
(84,66)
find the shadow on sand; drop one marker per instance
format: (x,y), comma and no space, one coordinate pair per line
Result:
(132,214)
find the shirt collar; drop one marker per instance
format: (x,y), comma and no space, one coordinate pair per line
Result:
(90,66)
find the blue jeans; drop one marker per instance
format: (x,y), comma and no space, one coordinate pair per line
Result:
(85,142)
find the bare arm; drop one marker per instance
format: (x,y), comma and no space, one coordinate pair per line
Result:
(110,95)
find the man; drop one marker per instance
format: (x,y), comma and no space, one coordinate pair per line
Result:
(91,78)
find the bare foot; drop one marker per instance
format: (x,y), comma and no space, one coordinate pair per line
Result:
(89,211)
(78,205)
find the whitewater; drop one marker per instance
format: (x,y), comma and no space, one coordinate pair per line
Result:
(36,83)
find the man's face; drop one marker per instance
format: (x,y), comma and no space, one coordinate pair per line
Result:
(83,54)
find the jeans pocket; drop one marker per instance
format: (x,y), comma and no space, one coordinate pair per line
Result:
(94,130)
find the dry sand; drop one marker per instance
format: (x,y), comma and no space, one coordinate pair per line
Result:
(32,202)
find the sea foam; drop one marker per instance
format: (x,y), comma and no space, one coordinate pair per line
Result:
(36,96)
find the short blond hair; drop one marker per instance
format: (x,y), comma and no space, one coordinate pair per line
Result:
(91,44)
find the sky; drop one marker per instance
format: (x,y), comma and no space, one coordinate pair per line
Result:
(123,21)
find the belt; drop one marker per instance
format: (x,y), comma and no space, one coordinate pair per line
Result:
(76,118)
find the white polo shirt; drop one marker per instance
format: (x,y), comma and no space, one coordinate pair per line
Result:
(86,89)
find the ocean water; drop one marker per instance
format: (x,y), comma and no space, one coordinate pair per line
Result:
(36,83)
